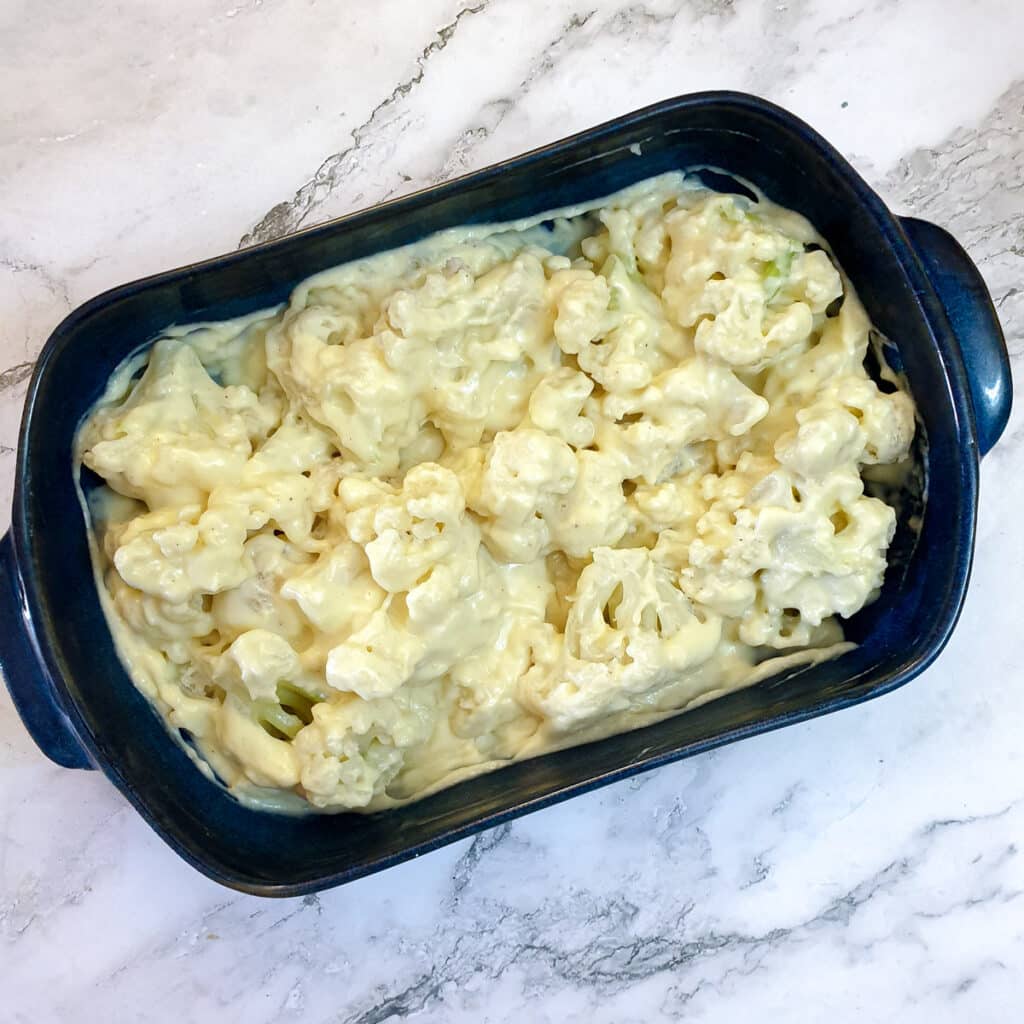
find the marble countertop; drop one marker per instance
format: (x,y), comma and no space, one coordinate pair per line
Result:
(864,867)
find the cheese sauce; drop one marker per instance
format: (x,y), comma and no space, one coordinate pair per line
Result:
(504,490)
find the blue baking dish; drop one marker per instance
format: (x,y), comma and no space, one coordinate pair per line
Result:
(917,283)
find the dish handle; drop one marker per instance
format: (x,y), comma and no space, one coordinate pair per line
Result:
(28,682)
(965,297)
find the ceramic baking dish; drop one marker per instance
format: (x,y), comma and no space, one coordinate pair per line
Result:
(917,283)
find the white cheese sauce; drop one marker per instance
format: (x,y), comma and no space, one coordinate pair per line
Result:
(509,489)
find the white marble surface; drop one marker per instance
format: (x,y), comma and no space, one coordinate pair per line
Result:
(864,867)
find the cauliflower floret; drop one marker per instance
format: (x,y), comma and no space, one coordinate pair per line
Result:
(370,410)
(483,341)
(477,317)
(782,554)
(556,405)
(262,660)
(353,749)
(593,514)
(424,551)
(167,626)
(813,280)
(407,531)
(258,602)
(486,688)
(714,242)
(630,631)
(825,437)
(337,592)
(886,420)
(743,332)
(852,423)
(177,554)
(582,309)
(765,316)
(652,431)
(676,504)
(838,354)
(747,288)
(636,233)
(377,660)
(419,636)
(614,326)
(833,569)
(278,484)
(178,434)
(525,473)
(485,700)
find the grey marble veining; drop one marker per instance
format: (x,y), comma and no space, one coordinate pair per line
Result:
(972,182)
(862,867)
(293,214)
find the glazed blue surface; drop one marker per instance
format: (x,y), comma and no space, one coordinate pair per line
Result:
(918,285)
(972,316)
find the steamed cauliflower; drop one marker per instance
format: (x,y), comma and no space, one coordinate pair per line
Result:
(630,631)
(492,493)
